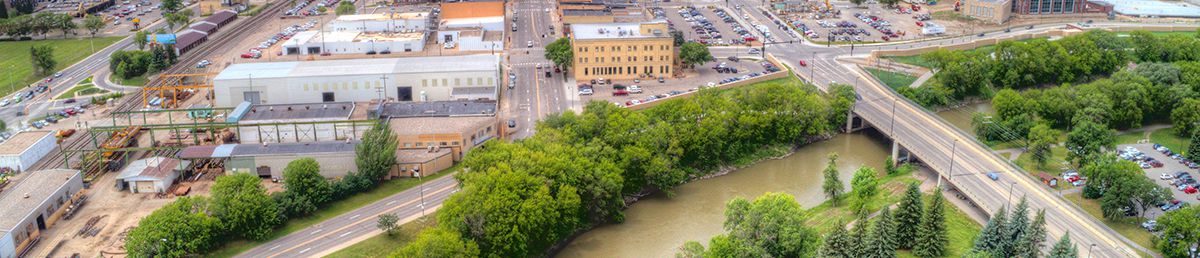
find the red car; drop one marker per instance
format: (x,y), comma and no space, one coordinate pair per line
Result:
(50,79)
(620,93)
(802,63)
(920,24)
(1189,190)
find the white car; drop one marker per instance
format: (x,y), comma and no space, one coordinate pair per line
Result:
(529,43)
(4,103)
(585,92)
(635,89)
(1166,176)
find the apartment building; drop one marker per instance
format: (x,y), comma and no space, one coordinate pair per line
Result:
(622,50)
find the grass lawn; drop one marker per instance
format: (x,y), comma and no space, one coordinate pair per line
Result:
(961,229)
(135,81)
(1129,228)
(1130,138)
(892,79)
(381,245)
(84,87)
(18,71)
(1054,165)
(334,209)
(1167,137)
(916,60)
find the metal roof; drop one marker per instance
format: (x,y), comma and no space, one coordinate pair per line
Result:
(188,37)
(309,111)
(152,167)
(38,186)
(613,30)
(222,16)
(439,109)
(368,66)
(22,141)
(268,149)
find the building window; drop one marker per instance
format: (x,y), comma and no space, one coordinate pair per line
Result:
(445,82)
(457,82)
(491,81)
(407,144)
(454,143)
(442,143)
(420,144)
(434,81)
(327,97)
(424,83)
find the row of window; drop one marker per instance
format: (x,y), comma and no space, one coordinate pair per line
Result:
(625,48)
(424,144)
(366,85)
(621,70)
(617,59)
(1049,6)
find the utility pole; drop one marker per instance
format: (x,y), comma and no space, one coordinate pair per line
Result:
(421,182)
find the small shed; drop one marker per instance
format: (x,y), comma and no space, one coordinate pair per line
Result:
(150,175)
(1049,180)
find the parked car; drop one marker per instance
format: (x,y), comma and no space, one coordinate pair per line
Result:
(1150,225)
(512,123)
(634,89)
(620,92)
(1168,205)
(1166,176)
(587,91)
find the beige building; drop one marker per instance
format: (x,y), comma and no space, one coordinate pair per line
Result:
(622,50)
(990,11)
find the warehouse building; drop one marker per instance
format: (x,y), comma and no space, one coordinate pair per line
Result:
(352,42)
(455,125)
(35,203)
(310,122)
(25,148)
(469,77)
(269,160)
(151,175)
(622,50)
(486,15)
(381,22)
(472,39)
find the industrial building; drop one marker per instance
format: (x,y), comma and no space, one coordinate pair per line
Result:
(424,161)
(469,77)
(455,125)
(269,159)
(34,204)
(485,15)
(151,175)
(472,39)
(312,122)
(1000,11)
(189,39)
(622,50)
(25,148)
(381,22)
(353,42)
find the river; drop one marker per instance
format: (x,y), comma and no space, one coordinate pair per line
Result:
(656,226)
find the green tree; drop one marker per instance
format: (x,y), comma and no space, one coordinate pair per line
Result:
(690,249)
(303,176)
(1147,47)
(245,209)
(1087,139)
(773,222)
(1017,227)
(93,24)
(837,243)
(438,243)
(908,217)
(509,213)
(44,22)
(322,10)
(42,59)
(1031,242)
(140,40)
(1180,230)
(1041,139)
(170,6)
(345,8)
(1064,248)
(1185,116)
(889,165)
(1164,74)
(560,53)
(931,236)
(857,2)
(178,18)
(883,241)
(376,154)
(388,223)
(692,54)
(24,6)
(864,186)
(182,228)
(832,185)
(1193,150)
(3,11)
(729,246)
(63,22)
(992,238)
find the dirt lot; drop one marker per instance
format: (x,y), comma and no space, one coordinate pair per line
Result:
(114,213)
(701,76)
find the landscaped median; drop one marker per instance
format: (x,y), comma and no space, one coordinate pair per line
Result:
(83,88)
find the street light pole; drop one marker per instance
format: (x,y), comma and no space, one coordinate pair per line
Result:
(953,147)
(1090,250)
(1010,191)
(892,130)
(421,182)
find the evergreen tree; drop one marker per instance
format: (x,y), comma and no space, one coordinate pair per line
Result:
(931,237)
(1030,244)
(1064,248)
(880,243)
(859,237)
(837,243)
(1193,151)
(991,238)
(833,187)
(1018,223)
(908,217)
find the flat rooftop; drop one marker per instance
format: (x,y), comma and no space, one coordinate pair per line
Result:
(614,30)
(39,185)
(366,66)
(409,156)
(1154,8)
(306,111)
(573,12)
(21,142)
(465,125)
(384,16)
(293,148)
(305,37)
(462,10)
(439,109)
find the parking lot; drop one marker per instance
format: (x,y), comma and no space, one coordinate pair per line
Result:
(710,26)
(622,91)
(870,23)
(1156,164)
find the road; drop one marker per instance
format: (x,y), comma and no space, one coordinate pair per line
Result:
(534,96)
(955,154)
(354,226)
(72,75)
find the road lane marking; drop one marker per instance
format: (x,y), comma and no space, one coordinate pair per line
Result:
(344,234)
(317,231)
(305,250)
(356,215)
(390,203)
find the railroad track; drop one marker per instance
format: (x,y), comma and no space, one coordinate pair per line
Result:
(206,49)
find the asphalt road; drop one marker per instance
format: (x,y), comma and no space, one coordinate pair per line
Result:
(354,226)
(534,96)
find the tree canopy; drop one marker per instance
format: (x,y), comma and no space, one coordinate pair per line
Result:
(242,204)
(178,229)
(560,53)
(692,54)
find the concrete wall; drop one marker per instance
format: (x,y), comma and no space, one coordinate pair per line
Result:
(360,47)
(50,210)
(31,155)
(8,249)
(332,164)
(1046,34)
(299,133)
(429,168)
(435,86)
